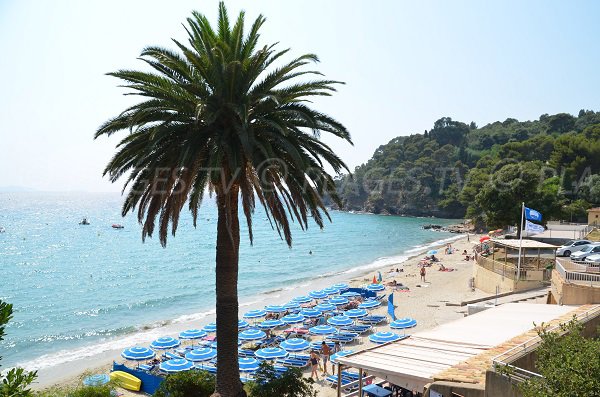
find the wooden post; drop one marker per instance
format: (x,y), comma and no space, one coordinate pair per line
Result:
(360,382)
(339,380)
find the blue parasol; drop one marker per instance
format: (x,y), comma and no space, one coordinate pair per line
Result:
(210,327)
(293,318)
(192,334)
(248,364)
(302,299)
(318,294)
(295,344)
(384,337)
(311,313)
(270,324)
(340,321)
(255,314)
(202,354)
(164,343)
(322,330)
(370,304)
(138,353)
(356,313)
(275,309)
(252,334)
(176,365)
(375,287)
(271,353)
(403,323)
(338,300)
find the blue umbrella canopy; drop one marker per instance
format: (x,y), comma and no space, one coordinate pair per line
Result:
(340,321)
(270,324)
(176,365)
(341,287)
(292,305)
(271,353)
(203,354)
(138,353)
(350,294)
(384,337)
(331,291)
(255,314)
(275,309)
(318,294)
(192,334)
(311,313)
(325,307)
(164,343)
(402,323)
(356,313)
(432,252)
(294,344)
(210,327)
(248,364)
(252,334)
(293,318)
(370,304)
(302,299)
(375,287)
(340,354)
(96,380)
(322,330)
(242,324)
(338,300)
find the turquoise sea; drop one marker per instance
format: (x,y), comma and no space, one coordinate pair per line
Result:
(74,286)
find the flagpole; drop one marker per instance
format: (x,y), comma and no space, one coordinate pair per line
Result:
(520,242)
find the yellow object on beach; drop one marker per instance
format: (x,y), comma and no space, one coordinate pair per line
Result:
(126,381)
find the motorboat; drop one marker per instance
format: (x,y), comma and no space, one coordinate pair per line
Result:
(84,221)
(117,226)
(2,230)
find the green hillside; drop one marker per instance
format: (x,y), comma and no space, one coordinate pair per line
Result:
(459,170)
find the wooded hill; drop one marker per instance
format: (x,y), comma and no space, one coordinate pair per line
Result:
(458,170)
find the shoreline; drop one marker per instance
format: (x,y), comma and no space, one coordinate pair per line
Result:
(72,368)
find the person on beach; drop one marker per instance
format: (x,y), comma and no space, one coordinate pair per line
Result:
(423,272)
(314,364)
(336,349)
(325,353)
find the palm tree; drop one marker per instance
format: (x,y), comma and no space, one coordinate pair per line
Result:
(219,118)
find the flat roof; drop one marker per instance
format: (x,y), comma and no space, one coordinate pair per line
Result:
(525,243)
(413,362)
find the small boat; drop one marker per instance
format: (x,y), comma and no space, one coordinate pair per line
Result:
(126,381)
(117,226)
(2,230)
(84,221)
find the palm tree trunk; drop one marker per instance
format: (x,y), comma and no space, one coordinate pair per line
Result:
(228,242)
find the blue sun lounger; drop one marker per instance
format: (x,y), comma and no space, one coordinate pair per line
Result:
(291,362)
(245,353)
(374,319)
(359,329)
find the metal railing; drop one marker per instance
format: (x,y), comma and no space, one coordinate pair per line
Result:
(504,359)
(578,273)
(509,270)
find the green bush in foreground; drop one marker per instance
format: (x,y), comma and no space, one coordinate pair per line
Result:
(289,384)
(187,384)
(83,391)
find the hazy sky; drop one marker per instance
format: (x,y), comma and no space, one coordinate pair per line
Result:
(406,64)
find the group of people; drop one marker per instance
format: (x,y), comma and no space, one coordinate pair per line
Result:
(323,354)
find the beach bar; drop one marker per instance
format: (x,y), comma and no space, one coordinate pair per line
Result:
(498,268)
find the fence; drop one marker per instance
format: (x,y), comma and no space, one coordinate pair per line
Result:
(578,273)
(509,270)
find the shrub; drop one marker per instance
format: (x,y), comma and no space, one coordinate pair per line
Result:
(187,384)
(290,384)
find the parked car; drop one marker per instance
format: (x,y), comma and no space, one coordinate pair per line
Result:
(588,250)
(572,246)
(595,259)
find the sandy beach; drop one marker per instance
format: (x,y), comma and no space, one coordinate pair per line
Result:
(423,301)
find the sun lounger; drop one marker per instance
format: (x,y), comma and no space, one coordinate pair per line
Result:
(359,329)
(317,345)
(290,362)
(245,353)
(146,367)
(352,375)
(171,356)
(374,319)
(299,356)
(280,368)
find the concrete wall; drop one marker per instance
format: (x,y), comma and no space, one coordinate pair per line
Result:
(487,280)
(594,217)
(573,294)
(447,388)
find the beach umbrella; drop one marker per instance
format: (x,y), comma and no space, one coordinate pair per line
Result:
(270,324)
(302,299)
(164,343)
(331,291)
(402,323)
(137,353)
(192,334)
(311,313)
(292,305)
(271,353)
(375,287)
(432,252)
(210,327)
(255,314)
(275,309)
(248,364)
(318,294)
(252,334)
(384,337)
(293,318)
(343,353)
(338,300)
(325,307)
(341,287)
(350,294)
(484,238)
(340,321)
(322,330)
(294,344)
(203,354)
(356,313)
(176,365)
(96,380)
(242,324)
(369,304)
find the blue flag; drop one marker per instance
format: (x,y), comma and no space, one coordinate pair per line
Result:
(379,278)
(532,215)
(391,306)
